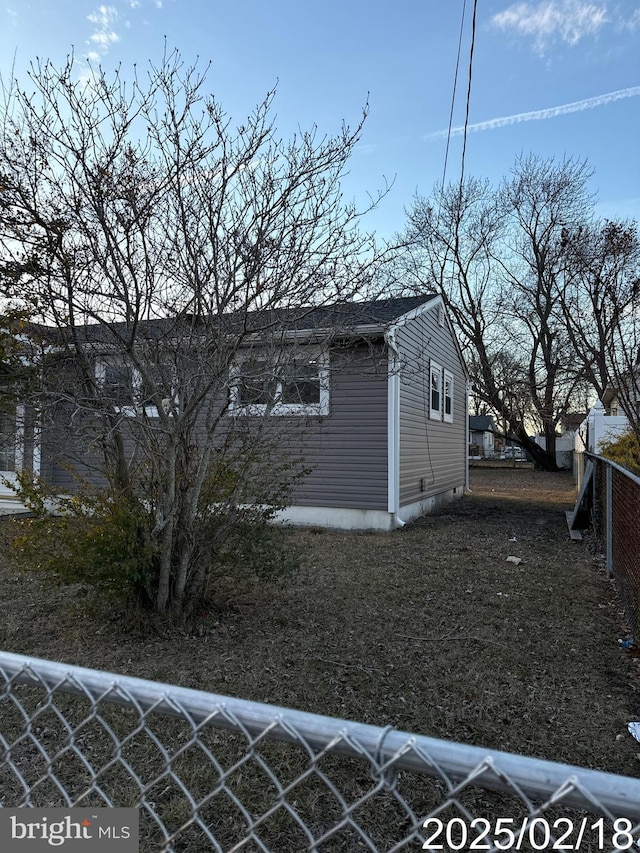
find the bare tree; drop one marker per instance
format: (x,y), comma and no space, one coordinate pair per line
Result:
(170,257)
(601,307)
(498,257)
(541,200)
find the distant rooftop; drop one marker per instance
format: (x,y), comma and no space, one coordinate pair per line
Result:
(482,423)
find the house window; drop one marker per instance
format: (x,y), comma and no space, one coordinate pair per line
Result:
(123,387)
(117,382)
(448,397)
(295,383)
(256,384)
(435,391)
(7,441)
(302,381)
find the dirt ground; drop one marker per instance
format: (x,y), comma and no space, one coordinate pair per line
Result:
(429,629)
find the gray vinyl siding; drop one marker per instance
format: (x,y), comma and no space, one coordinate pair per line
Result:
(68,458)
(344,452)
(432,452)
(347,449)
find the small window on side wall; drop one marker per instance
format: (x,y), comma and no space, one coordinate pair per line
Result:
(447,413)
(435,391)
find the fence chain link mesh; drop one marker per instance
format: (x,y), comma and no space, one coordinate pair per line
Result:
(616,521)
(209,772)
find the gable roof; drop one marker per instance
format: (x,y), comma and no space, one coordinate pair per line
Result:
(350,319)
(481,423)
(381,312)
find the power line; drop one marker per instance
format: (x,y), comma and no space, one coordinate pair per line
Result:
(453,94)
(466,116)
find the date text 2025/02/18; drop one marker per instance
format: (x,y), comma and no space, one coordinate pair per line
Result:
(505,833)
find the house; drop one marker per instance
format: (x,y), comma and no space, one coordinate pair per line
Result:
(375,398)
(570,422)
(624,400)
(482,430)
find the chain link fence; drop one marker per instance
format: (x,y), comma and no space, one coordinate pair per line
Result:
(615,513)
(209,772)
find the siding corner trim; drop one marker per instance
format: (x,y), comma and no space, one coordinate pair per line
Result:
(393,425)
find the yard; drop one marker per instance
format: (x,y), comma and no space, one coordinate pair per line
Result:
(429,629)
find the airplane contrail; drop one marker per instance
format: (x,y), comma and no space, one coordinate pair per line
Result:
(537,115)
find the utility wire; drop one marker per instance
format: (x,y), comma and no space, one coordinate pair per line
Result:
(453,94)
(466,117)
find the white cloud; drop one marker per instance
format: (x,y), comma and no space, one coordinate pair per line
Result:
(539,115)
(567,20)
(632,22)
(104,34)
(106,19)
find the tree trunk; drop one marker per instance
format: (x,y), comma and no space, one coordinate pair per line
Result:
(167,535)
(544,459)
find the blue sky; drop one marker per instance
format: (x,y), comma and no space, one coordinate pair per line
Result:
(552,77)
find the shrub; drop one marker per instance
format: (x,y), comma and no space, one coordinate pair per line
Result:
(625,450)
(237,540)
(108,539)
(98,537)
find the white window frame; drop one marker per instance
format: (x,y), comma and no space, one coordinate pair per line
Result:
(136,385)
(435,370)
(447,381)
(236,408)
(101,377)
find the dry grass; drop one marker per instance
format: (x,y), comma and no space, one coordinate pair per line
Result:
(428,629)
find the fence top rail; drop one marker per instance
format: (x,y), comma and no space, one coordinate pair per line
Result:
(633,477)
(542,779)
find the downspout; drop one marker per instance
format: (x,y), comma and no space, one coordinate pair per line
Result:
(393,430)
(466,432)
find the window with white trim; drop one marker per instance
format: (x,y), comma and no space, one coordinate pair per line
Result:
(116,381)
(124,388)
(447,397)
(291,383)
(435,391)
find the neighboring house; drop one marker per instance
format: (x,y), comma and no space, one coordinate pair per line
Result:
(482,430)
(611,402)
(614,400)
(378,401)
(570,423)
